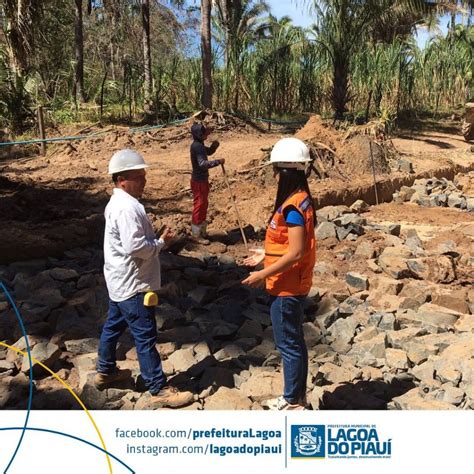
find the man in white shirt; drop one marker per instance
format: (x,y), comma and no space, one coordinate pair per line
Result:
(131,269)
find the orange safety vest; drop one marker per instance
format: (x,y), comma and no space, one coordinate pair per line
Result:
(296,280)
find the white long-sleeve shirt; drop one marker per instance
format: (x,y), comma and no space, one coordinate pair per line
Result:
(131,251)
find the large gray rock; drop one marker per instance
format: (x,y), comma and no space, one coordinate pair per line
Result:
(228,352)
(359,206)
(396,358)
(456,200)
(418,353)
(44,353)
(84,302)
(342,330)
(258,313)
(82,346)
(437,269)
(452,395)
(406,166)
(227,399)
(350,305)
(325,230)
(250,329)
(168,316)
(50,297)
(393,261)
(357,281)
(63,274)
(385,285)
(432,321)
(25,285)
(455,300)
(414,243)
(390,229)
(413,400)
(425,372)
(182,359)
(203,295)
(368,352)
(312,334)
(336,374)
(329,213)
(365,250)
(405,193)
(224,330)
(348,219)
(262,385)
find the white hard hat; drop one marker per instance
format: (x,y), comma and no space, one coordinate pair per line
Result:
(290,153)
(126,160)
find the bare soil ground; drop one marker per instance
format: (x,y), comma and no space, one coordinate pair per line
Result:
(53,203)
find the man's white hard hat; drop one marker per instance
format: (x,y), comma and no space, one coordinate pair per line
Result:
(290,153)
(126,160)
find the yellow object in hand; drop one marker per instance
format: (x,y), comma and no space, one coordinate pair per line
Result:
(151,299)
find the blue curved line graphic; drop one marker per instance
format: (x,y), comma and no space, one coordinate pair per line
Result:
(67,435)
(30,385)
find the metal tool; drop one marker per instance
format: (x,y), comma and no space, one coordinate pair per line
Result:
(235,207)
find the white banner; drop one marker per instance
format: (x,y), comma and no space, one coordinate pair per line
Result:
(167,441)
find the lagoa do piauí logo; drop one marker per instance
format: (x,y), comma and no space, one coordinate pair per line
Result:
(338,441)
(308,441)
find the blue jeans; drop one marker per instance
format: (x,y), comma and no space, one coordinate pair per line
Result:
(141,321)
(287,320)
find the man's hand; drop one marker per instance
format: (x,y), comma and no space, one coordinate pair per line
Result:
(222,160)
(255,259)
(255,280)
(167,235)
(215,145)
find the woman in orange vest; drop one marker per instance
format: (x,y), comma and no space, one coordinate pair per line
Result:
(289,258)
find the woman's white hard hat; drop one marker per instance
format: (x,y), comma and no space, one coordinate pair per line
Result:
(290,153)
(126,160)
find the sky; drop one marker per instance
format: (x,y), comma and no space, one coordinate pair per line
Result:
(301,17)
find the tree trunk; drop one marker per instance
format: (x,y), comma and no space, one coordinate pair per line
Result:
(340,86)
(206,52)
(79,47)
(452,25)
(148,85)
(367,107)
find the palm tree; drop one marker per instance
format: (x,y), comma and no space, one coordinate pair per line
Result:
(79,50)
(276,56)
(20,28)
(148,83)
(343,26)
(206,52)
(238,22)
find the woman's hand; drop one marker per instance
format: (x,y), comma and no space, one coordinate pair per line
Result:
(167,235)
(255,259)
(255,280)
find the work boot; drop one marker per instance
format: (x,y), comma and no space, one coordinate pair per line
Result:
(171,397)
(196,231)
(204,230)
(103,381)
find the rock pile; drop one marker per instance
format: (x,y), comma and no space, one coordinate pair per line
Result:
(396,333)
(435,192)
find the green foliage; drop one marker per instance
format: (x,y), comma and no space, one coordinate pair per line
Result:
(359,58)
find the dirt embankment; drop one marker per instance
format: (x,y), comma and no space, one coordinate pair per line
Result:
(53,203)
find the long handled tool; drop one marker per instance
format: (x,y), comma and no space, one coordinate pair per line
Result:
(373,172)
(235,207)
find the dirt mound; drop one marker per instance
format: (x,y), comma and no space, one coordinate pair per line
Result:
(356,156)
(316,130)
(218,121)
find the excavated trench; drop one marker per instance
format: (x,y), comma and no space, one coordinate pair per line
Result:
(386,187)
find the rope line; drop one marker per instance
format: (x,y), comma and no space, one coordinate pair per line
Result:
(143,129)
